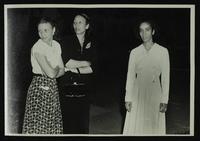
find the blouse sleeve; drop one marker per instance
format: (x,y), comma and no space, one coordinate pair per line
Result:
(130,77)
(39,49)
(59,49)
(165,74)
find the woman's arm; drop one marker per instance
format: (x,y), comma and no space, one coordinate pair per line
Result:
(72,64)
(45,66)
(165,74)
(85,70)
(61,68)
(81,70)
(130,81)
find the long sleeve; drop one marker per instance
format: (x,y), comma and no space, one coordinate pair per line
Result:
(91,55)
(130,77)
(165,75)
(66,46)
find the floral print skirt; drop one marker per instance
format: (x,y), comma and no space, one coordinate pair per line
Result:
(42,111)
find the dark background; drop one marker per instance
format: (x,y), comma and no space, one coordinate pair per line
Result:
(114,32)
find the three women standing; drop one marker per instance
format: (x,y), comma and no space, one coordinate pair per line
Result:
(147,87)
(146,94)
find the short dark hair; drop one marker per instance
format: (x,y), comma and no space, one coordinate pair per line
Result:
(152,25)
(47,20)
(85,16)
(88,21)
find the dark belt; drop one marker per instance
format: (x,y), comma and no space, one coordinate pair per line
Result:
(74,90)
(75,96)
(36,74)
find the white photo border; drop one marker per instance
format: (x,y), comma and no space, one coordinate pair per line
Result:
(192,54)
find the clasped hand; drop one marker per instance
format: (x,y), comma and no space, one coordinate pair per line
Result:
(128,106)
(163,107)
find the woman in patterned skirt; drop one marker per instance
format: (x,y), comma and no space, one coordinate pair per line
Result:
(43,112)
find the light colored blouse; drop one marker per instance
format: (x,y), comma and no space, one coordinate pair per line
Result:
(158,64)
(52,53)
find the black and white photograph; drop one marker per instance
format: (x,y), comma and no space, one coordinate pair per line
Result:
(99,70)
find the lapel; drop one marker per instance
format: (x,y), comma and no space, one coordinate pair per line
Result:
(78,45)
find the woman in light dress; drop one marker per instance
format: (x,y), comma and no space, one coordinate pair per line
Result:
(147,86)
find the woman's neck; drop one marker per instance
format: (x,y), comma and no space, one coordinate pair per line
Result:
(148,45)
(81,38)
(49,42)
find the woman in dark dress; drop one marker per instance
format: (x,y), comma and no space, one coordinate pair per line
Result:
(78,54)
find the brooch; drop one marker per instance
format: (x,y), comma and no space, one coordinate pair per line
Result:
(88,45)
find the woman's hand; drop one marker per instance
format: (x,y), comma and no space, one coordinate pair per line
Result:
(163,107)
(57,68)
(128,106)
(60,71)
(67,69)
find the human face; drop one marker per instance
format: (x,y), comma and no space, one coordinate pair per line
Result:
(46,31)
(80,25)
(146,32)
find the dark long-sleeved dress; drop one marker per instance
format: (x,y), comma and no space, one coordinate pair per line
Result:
(75,99)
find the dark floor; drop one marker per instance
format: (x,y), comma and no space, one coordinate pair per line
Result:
(107,117)
(107,107)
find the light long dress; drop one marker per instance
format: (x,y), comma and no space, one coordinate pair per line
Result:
(146,90)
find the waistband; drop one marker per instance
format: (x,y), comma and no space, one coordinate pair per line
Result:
(75,96)
(36,74)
